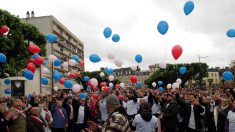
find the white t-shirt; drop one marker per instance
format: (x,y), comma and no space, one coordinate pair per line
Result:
(132,107)
(81,113)
(124,104)
(103,110)
(143,126)
(156,108)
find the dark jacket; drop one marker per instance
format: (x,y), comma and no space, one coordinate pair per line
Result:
(170,115)
(3,123)
(34,125)
(76,106)
(222,116)
(198,109)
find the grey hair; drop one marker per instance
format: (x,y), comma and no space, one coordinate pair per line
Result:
(112,99)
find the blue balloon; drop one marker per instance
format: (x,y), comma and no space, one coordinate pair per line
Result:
(182,70)
(56,75)
(109,71)
(107,32)
(139,84)
(86,78)
(44,81)
(159,83)
(162,27)
(188,7)
(7,81)
(44,63)
(231,33)
(138,58)
(94,58)
(68,84)
(28,74)
(75,57)
(115,38)
(88,88)
(228,75)
(161,89)
(3,58)
(51,37)
(30,96)
(57,62)
(83,95)
(34,56)
(7,91)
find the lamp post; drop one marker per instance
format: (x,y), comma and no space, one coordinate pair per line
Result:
(201,57)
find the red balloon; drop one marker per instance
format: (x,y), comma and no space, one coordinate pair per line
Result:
(4,29)
(133,79)
(89,83)
(94,88)
(176,51)
(103,84)
(95,96)
(62,80)
(34,49)
(105,88)
(82,63)
(31,67)
(72,75)
(77,74)
(39,60)
(31,60)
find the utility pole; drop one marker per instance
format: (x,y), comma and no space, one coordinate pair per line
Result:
(201,57)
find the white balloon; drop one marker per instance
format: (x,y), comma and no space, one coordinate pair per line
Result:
(65,64)
(94,82)
(118,62)
(102,74)
(110,85)
(111,77)
(55,88)
(179,81)
(175,85)
(111,56)
(44,70)
(168,86)
(134,68)
(52,58)
(154,84)
(122,85)
(162,65)
(72,62)
(76,88)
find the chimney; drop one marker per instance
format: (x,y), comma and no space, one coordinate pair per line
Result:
(27,14)
(32,14)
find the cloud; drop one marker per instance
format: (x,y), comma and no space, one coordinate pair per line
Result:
(202,32)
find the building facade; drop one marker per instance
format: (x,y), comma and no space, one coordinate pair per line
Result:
(124,74)
(66,46)
(153,68)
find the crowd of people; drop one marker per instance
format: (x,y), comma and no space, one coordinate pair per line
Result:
(122,110)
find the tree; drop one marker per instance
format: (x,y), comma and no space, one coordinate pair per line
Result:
(15,44)
(210,81)
(95,74)
(195,71)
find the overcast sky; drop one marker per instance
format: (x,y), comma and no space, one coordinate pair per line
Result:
(202,32)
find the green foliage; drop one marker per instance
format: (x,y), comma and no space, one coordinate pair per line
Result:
(15,44)
(195,71)
(95,74)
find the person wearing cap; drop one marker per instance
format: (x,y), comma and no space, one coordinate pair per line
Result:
(81,113)
(116,122)
(169,114)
